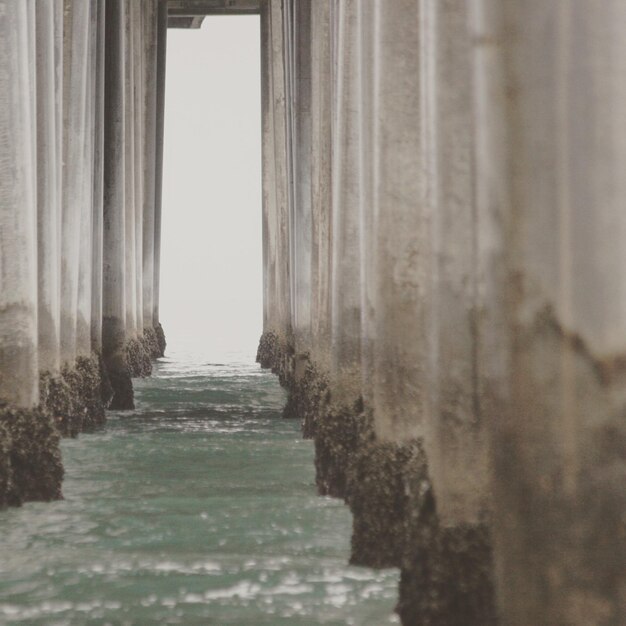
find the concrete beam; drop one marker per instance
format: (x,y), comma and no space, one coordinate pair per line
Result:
(185,22)
(189,8)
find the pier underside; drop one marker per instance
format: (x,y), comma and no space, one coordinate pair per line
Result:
(443,258)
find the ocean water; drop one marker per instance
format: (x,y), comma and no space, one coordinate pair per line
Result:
(199,507)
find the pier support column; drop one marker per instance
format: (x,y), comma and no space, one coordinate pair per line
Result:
(83,320)
(18,213)
(301,147)
(75,65)
(114,295)
(552,133)
(337,429)
(49,134)
(30,466)
(150,45)
(447,572)
(133,346)
(388,459)
(275,347)
(321,187)
(98,182)
(161,61)
(139,125)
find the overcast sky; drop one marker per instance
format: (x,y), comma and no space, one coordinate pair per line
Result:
(211,280)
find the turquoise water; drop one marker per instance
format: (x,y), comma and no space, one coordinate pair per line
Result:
(197,508)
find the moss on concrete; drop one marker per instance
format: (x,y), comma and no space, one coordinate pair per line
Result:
(306,384)
(70,403)
(138,358)
(309,395)
(123,396)
(30,458)
(160,337)
(336,440)
(134,360)
(378,494)
(277,354)
(6,475)
(268,352)
(153,344)
(76,399)
(446,573)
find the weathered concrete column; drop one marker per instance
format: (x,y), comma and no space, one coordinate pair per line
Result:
(346,253)
(289,60)
(139,125)
(391,271)
(19,371)
(552,116)
(320,187)
(279,206)
(98,182)
(114,305)
(49,67)
(447,574)
(30,467)
(301,146)
(129,178)
(83,319)
(400,400)
(456,432)
(337,425)
(158,175)
(296,52)
(273,349)
(150,15)
(75,56)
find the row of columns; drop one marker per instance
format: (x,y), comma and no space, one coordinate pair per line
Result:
(444,244)
(80,175)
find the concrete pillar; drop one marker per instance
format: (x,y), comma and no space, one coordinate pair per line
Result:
(114,305)
(320,187)
(158,175)
(552,139)
(368,66)
(275,192)
(19,370)
(150,78)
(83,319)
(32,77)
(129,180)
(401,256)
(267,166)
(283,286)
(301,147)
(49,67)
(98,181)
(288,52)
(456,431)
(75,55)
(346,251)
(139,124)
